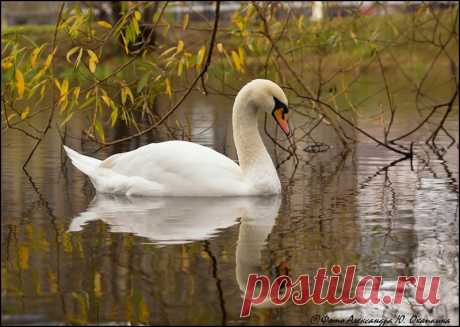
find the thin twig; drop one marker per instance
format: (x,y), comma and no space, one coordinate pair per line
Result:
(450,103)
(386,129)
(407,154)
(13,127)
(53,109)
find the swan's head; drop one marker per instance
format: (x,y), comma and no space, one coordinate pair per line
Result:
(268,97)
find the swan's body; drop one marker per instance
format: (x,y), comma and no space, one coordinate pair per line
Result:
(179,168)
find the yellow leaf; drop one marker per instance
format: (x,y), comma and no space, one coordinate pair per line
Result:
(25,113)
(77,62)
(168,87)
(97,284)
(63,91)
(250,11)
(164,53)
(34,56)
(180,46)
(220,47)
(49,59)
(42,91)
(236,61)
(130,94)
(92,65)
(114,115)
(144,314)
(7,65)
(241,54)
(135,25)
(38,75)
(11,116)
(104,24)
(58,85)
(123,95)
(64,104)
(200,56)
(67,243)
(52,281)
(186,22)
(23,252)
(107,100)
(137,15)
(157,78)
(70,53)
(64,87)
(300,22)
(20,83)
(99,130)
(180,67)
(125,43)
(76,93)
(67,119)
(92,55)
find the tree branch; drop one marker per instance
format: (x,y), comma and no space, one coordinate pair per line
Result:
(184,96)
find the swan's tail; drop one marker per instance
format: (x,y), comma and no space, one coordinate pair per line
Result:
(85,164)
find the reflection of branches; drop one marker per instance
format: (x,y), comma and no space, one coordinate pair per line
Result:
(433,136)
(40,196)
(218,281)
(365,183)
(449,174)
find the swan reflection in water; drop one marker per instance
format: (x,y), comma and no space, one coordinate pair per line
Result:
(166,221)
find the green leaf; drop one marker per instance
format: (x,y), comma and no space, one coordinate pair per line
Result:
(99,130)
(87,103)
(67,119)
(142,82)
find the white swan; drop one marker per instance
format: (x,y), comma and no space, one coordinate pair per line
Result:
(179,168)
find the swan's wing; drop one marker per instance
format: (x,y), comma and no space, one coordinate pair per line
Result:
(181,168)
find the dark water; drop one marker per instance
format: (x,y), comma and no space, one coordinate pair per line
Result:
(71,257)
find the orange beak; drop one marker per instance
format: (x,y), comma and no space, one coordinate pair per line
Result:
(281,119)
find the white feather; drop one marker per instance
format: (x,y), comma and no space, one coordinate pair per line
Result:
(179,168)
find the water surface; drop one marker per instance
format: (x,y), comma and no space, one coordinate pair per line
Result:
(69,256)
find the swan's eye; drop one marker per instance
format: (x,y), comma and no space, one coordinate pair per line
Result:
(279,105)
(279,113)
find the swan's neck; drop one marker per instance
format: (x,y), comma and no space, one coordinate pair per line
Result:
(255,162)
